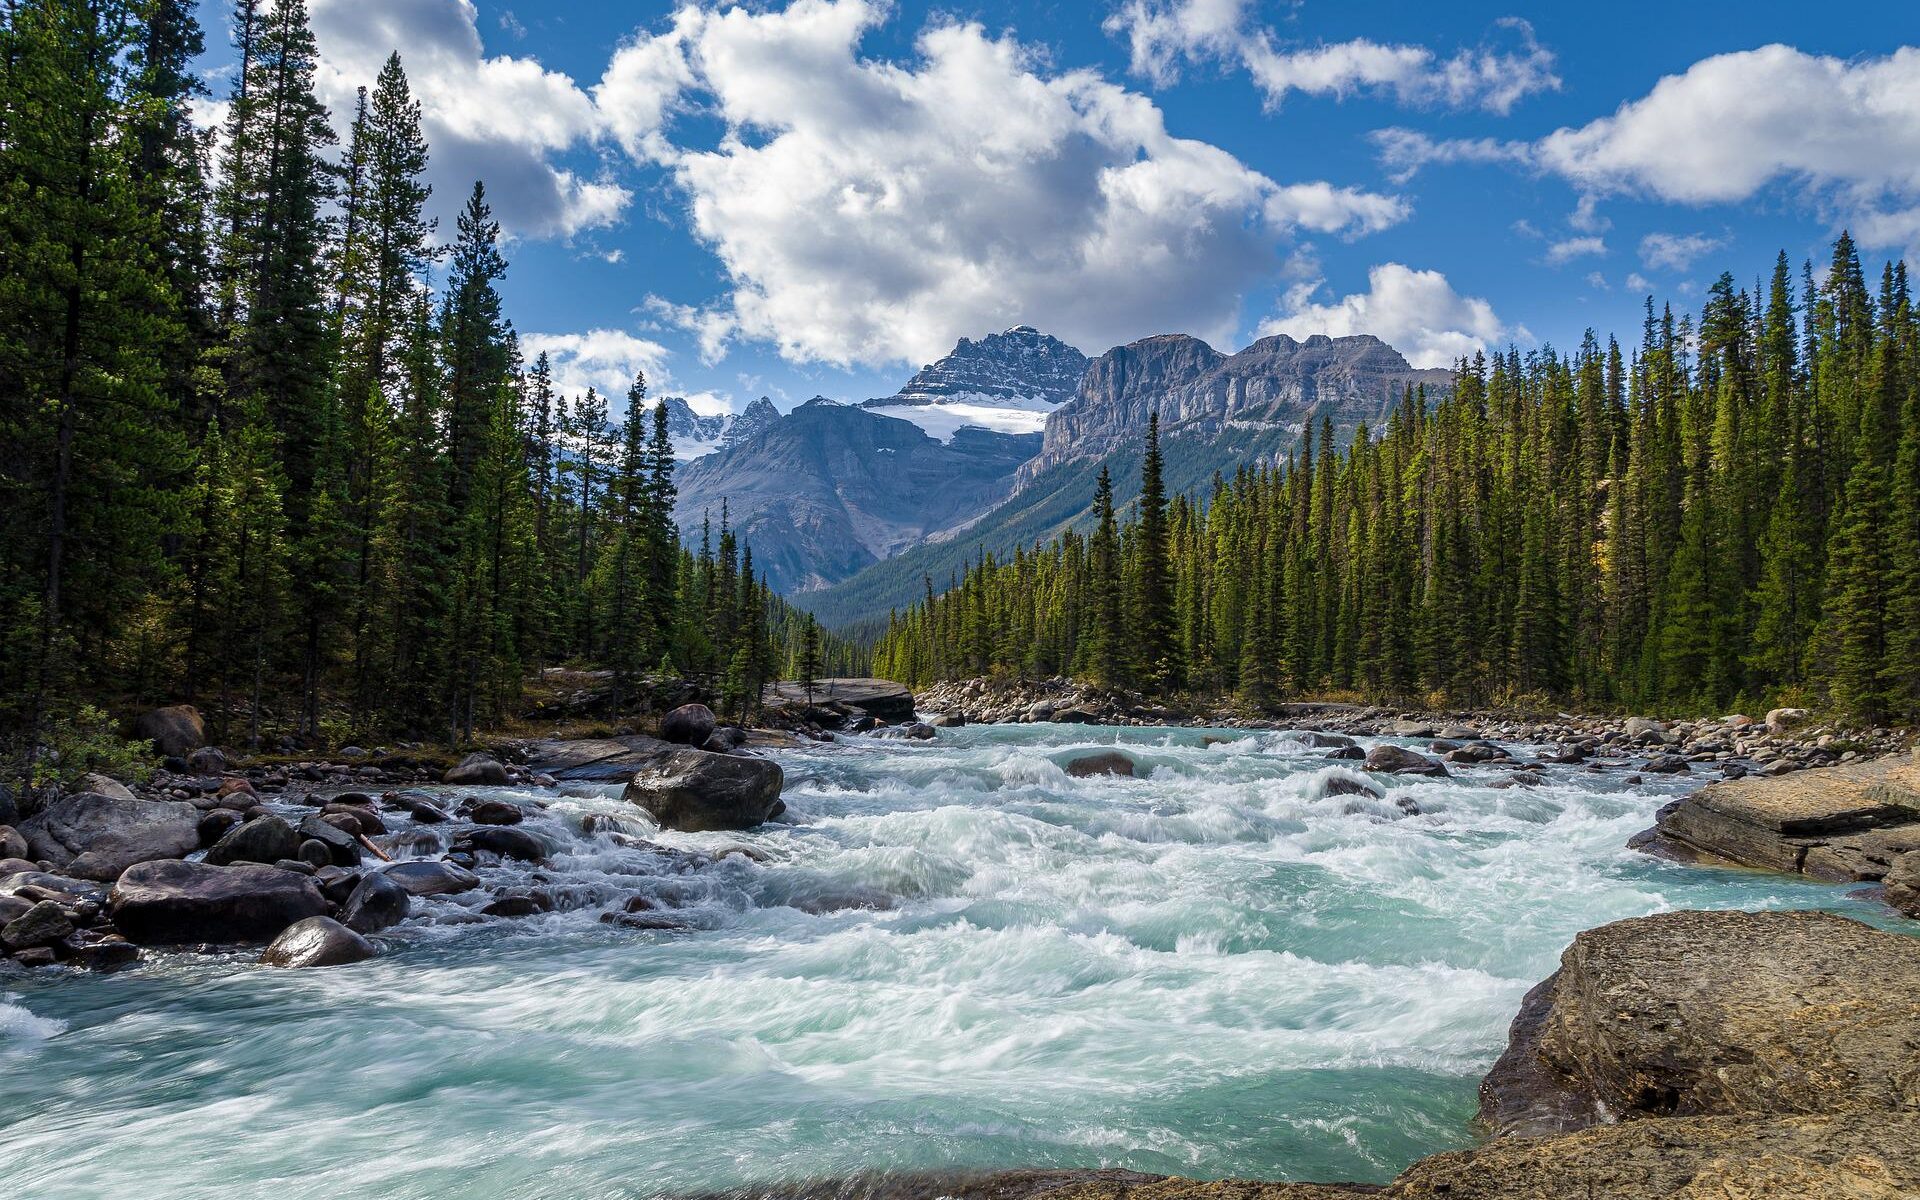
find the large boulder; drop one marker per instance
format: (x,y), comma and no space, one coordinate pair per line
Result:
(95,836)
(477,770)
(377,902)
(317,942)
(693,790)
(175,731)
(164,903)
(262,840)
(688,725)
(1398,760)
(1714,1013)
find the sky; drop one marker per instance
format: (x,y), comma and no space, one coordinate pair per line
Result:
(794,198)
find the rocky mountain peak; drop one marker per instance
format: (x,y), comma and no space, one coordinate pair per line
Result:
(1020,364)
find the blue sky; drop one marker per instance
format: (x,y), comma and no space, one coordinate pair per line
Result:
(816,197)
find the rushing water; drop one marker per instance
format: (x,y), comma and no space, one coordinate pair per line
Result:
(1215,969)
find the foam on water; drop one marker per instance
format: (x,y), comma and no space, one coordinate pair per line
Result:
(956,955)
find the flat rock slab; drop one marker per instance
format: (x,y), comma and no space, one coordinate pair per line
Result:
(1854,1157)
(1715,1013)
(1837,823)
(595,759)
(881,699)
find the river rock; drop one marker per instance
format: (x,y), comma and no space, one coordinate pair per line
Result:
(1328,741)
(12,845)
(368,821)
(696,791)
(42,925)
(317,942)
(496,812)
(1785,720)
(94,836)
(175,731)
(432,878)
(420,806)
(343,848)
(1398,760)
(1343,785)
(216,825)
(688,725)
(182,902)
(104,785)
(261,840)
(1640,728)
(1107,762)
(207,760)
(503,840)
(1714,1013)
(477,770)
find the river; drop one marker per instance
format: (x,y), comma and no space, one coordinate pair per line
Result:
(955,956)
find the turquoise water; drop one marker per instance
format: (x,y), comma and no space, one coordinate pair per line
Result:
(1212,970)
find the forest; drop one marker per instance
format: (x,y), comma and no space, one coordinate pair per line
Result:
(1728,515)
(267,443)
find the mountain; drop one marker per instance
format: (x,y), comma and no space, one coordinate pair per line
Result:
(1217,412)
(1201,393)
(1007,382)
(830,488)
(695,435)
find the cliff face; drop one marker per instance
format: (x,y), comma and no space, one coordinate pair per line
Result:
(1276,384)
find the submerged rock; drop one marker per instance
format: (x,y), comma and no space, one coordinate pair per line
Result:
(696,791)
(317,942)
(503,840)
(182,902)
(1398,760)
(432,878)
(1108,762)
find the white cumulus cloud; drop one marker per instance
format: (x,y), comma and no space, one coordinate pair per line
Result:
(1841,134)
(1563,252)
(1417,312)
(1676,252)
(871,211)
(1163,34)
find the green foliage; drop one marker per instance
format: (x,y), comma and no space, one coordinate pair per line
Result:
(1716,518)
(85,740)
(254,462)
